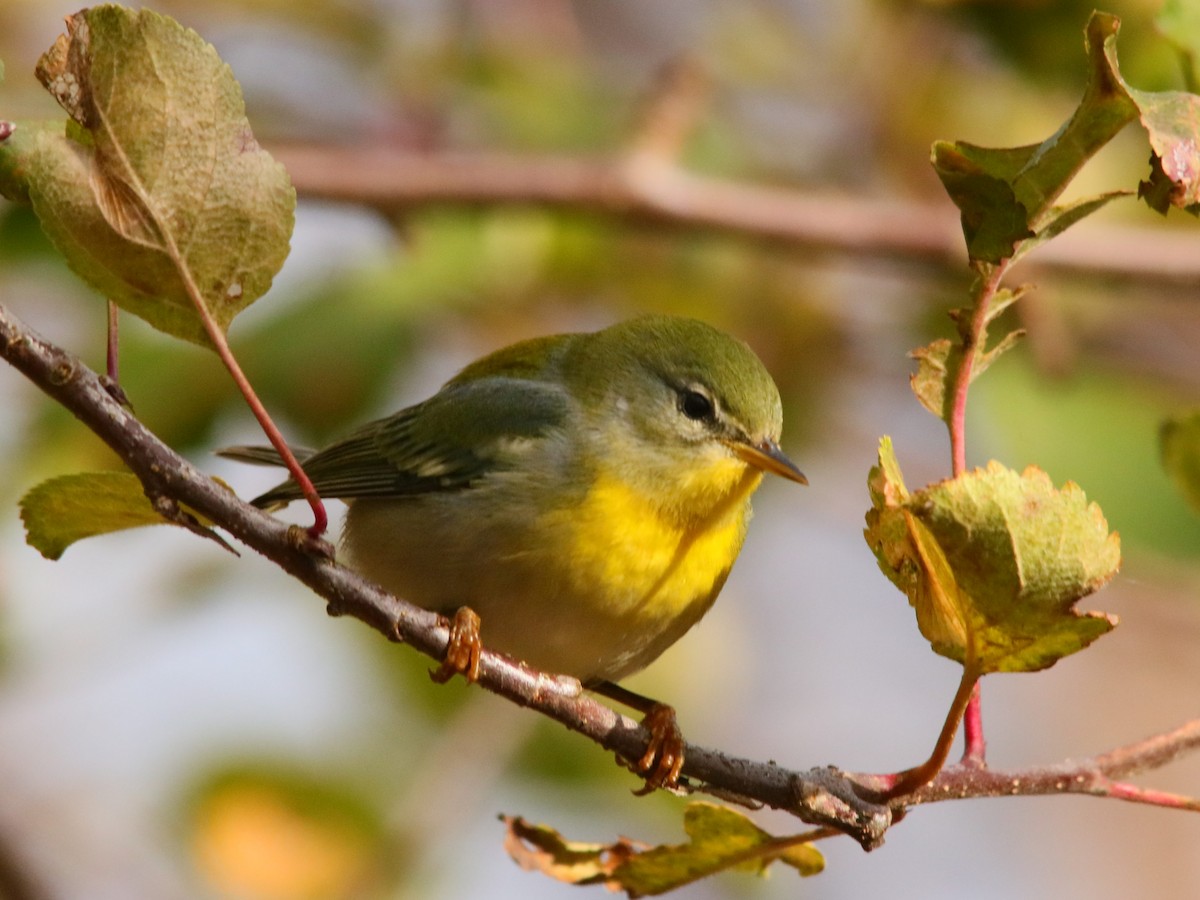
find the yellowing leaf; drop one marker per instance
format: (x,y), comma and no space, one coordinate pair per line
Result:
(1179,441)
(940,605)
(993,562)
(1173,123)
(63,510)
(155,191)
(886,482)
(273,837)
(539,848)
(1171,120)
(721,839)
(936,365)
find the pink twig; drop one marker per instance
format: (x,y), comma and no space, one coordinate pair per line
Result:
(974,746)
(910,780)
(1097,776)
(973,338)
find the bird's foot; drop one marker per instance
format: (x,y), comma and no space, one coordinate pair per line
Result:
(462,650)
(661,763)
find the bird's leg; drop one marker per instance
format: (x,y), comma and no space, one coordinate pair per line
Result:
(661,763)
(462,650)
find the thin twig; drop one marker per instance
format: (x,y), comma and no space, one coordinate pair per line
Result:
(216,335)
(221,344)
(973,334)
(906,782)
(1095,776)
(1154,752)
(112,365)
(974,745)
(113,354)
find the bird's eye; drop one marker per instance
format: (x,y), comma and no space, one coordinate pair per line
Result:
(695,405)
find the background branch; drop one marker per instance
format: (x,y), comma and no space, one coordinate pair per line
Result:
(391,180)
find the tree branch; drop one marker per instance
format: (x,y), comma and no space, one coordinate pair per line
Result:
(822,796)
(1095,776)
(658,191)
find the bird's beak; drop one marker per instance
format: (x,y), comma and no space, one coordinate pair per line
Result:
(767,456)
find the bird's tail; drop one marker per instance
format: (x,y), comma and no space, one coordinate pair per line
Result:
(280,495)
(261,456)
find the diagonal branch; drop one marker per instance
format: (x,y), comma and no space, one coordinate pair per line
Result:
(823,796)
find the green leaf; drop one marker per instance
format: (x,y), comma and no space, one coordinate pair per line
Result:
(721,839)
(1104,110)
(17,152)
(156,191)
(63,510)
(939,361)
(979,181)
(993,562)
(1179,443)
(1006,195)
(1001,300)
(1002,346)
(1060,218)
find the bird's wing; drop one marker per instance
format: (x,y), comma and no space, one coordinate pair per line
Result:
(443,444)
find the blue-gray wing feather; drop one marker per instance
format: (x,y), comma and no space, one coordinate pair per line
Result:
(456,437)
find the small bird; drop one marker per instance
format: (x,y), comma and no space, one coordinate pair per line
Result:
(576,500)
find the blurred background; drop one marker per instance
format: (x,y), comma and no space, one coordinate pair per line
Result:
(179,723)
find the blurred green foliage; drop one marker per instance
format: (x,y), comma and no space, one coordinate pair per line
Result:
(848,97)
(1040,37)
(1098,428)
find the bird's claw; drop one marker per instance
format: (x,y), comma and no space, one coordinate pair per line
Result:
(662,762)
(462,650)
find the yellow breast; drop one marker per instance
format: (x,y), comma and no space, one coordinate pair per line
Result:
(662,555)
